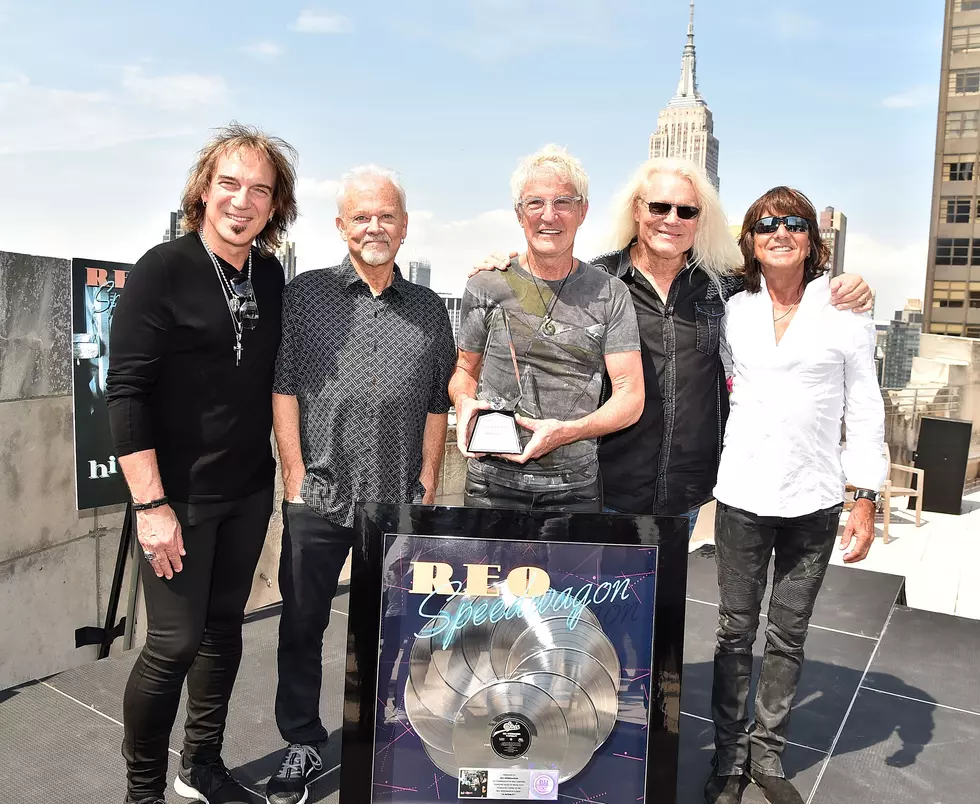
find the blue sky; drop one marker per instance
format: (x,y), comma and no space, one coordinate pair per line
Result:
(101,112)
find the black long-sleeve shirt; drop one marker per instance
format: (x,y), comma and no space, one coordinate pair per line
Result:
(173,385)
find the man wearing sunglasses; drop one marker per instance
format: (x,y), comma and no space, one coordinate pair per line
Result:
(360,408)
(551,328)
(193,348)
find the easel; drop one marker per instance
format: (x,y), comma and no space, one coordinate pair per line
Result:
(106,635)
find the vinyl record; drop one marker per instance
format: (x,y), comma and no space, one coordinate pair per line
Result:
(588,673)
(443,761)
(433,689)
(511,724)
(506,632)
(552,634)
(466,666)
(436,732)
(580,717)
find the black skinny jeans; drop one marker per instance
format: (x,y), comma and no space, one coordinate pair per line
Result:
(313,554)
(744,544)
(479,493)
(194,630)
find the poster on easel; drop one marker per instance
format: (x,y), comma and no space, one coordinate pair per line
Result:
(95,289)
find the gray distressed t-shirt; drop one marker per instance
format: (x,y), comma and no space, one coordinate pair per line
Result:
(561,373)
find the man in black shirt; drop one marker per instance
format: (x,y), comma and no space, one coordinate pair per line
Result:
(193,347)
(360,408)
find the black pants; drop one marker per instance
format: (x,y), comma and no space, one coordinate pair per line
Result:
(313,554)
(480,493)
(744,544)
(194,631)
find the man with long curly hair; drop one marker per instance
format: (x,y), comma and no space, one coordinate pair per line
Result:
(193,350)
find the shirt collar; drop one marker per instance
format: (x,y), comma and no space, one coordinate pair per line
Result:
(352,278)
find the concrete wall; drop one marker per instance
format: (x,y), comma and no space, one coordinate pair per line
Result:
(56,564)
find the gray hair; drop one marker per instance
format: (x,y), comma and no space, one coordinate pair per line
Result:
(715,250)
(555,159)
(367,173)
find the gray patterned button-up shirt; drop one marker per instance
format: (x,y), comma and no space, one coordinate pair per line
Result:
(366,371)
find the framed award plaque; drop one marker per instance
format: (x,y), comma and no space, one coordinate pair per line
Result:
(513,656)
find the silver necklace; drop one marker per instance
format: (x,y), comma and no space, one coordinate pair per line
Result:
(233,302)
(790,310)
(547,324)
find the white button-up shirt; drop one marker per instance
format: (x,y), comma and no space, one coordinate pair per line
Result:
(782,453)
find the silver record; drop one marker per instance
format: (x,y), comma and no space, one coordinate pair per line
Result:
(551,634)
(434,731)
(588,673)
(433,688)
(506,632)
(580,717)
(493,709)
(466,667)
(443,761)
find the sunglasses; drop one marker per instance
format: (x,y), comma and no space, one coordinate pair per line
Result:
(662,209)
(243,304)
(769,224)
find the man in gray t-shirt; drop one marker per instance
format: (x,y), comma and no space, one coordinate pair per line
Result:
(569,323)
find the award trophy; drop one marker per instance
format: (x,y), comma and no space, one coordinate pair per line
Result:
(495,429)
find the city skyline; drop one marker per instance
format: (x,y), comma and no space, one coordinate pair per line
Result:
(102,124)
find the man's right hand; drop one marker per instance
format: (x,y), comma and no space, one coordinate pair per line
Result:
(158,532)
(465,419)
(292,486)
(495,262)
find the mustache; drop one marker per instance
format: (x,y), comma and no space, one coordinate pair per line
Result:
(382,239)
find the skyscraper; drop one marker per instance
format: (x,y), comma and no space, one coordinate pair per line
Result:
(833,232)
(902,345)
(952,293)
(454,306)
(176,228)
(287,256)
(420,272)
(685,128)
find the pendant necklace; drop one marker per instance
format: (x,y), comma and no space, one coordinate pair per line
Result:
(547,323)
(235,304)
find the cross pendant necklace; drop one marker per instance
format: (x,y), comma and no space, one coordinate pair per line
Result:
(238,348)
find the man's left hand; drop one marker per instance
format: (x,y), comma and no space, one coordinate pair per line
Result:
(860,529)
(851,292)
(549,434)
(429,498)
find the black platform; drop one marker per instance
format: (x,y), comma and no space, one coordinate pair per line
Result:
(888,708)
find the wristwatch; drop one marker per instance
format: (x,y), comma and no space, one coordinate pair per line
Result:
(866,494)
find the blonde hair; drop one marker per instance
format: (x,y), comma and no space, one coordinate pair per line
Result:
(552,158)
(231,139)
(715,250)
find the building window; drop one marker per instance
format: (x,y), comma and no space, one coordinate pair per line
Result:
(958,171)
(962,124)
(946,329)
(972,331)
(953,251)
(955,209)
(964,82)
(948,295)
(966,5)
(975,295)
(965,38)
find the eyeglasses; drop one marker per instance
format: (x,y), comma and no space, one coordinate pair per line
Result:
(562,205)
(243,304)
(662,209)
(769,224)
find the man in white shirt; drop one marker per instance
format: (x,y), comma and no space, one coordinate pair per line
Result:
(801,369)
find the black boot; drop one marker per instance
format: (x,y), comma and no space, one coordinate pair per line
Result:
(776,790)
(724,789)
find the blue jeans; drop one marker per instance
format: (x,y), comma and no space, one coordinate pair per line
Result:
(692,517)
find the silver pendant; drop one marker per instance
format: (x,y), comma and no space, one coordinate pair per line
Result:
(234,304)
(548,326)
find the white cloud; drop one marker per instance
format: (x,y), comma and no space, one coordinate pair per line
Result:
(322,22)
(896,271)
(175,92)
(263,50)
(794,25)
(316,190)
(911,98)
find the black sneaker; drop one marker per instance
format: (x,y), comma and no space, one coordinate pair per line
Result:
(776,789)
(724,789)
(209,782)
(150,800)
(301,766)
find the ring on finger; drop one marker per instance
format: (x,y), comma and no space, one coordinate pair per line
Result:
(149,556)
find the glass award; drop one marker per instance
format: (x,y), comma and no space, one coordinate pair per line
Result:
(495,429)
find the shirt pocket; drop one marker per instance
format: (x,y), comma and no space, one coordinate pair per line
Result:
(708,317)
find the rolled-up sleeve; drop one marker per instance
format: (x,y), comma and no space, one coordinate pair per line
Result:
(863,460)
(142,323)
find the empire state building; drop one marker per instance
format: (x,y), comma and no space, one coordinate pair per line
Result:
(685,128)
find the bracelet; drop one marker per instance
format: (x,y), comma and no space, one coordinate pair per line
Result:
(151,504)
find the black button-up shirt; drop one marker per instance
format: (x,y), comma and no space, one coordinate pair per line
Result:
(366,372)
